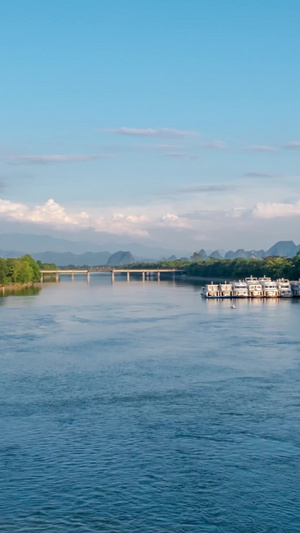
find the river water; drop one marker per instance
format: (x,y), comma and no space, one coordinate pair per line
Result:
(139,407)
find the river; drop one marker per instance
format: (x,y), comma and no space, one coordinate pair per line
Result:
(140,407)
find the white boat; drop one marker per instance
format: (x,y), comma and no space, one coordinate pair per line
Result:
(269,287)
(255,289)
(210,290)
(284,288)
(252,288)
(296,287)
(239,289)
(225,290)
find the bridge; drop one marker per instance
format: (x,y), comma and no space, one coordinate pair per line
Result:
(58,273)
(146,273)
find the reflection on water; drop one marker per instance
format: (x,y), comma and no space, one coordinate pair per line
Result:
(140,407)
(23,291)
(242,302)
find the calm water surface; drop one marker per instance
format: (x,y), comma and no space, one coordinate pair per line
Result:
(141,408)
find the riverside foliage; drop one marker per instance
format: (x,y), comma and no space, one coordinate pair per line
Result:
(273,267)
(22,270)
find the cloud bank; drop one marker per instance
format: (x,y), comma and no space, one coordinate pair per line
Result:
(151,132)
(194,189)
(261,175)
(293,145)
(53,214)
(213,145)
(49,159)
(260,148)
(276,210)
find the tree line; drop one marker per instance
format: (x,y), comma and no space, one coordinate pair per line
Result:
(272,266)
(25,269)
(22,270)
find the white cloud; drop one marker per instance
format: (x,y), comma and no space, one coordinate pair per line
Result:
(293,145)
(261,175)
(174,221)
(12,210)
(181,155)
(276,210)
(236,212)
(152,132)
(120,224)
(214,145)
(194,189)
(48,213)
(51,158)
(261,148)
(55,215)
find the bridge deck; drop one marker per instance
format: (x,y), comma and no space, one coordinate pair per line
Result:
(115,270)
(64,271)
(123,271)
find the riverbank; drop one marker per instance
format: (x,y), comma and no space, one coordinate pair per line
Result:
(18,286)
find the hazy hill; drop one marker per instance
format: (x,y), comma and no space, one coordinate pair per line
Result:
(11,253)
(31,243)
(245,254)
(120,258)
(233,255)
(284,249)
(68,258)
(203,254)
(216,255)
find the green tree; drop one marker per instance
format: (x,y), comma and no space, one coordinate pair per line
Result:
(3,271)
(32,267)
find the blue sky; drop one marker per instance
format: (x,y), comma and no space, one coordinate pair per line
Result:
(170,122)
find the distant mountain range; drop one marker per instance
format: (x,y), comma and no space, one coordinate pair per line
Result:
(68,258)
(63,252)
(86,259)
(31,243)
(281,248)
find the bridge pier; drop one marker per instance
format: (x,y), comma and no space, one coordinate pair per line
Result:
(72,276)
(128,276)
(88,277)
(143,276)
(158,276)
(112,276)
(57,277)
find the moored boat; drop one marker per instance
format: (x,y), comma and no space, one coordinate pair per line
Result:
(252,288)
(269,287)
(239,289)
(284,288)
(255,289)
(296,288)
(225,290)
(210,290)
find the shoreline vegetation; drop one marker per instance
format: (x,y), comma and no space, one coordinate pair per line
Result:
(19,273)
(23,272)
(274,267)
